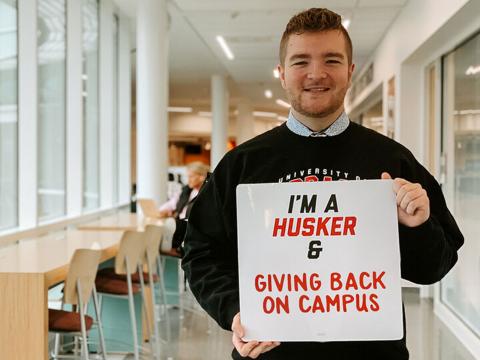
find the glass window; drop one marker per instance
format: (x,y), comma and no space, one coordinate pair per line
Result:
(8,114)
(460,290)
(115,167)
(91,174)
(51,108)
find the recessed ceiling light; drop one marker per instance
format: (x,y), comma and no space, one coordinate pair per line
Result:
(282,103)
(179,109)
(276,73)
(225,48)
(346,23)
(472,70)
(268,94)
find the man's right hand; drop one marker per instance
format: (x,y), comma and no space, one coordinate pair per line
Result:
(252,349)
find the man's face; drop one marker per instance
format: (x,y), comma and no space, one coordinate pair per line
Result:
(316,74)
(195,180)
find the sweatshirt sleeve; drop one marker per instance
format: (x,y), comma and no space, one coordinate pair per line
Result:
(210,262)
(429,251)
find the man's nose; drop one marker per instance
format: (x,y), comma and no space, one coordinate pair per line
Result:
(317,71)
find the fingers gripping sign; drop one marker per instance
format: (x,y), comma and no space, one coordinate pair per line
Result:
(252,349)
(413,204)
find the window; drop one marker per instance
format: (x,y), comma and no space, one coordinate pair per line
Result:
(460,290)
(51,108)
(91,149)
(8,114)
(115,165)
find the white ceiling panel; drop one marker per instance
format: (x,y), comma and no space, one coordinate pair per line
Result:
(252,29)
(242,5)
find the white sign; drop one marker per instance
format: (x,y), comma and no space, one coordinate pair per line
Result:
(319,261)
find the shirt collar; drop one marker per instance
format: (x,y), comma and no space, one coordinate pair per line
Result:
(336,128)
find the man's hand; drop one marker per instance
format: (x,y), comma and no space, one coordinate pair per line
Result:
(252,349)
(413,204)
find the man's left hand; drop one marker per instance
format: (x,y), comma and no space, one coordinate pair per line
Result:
(413,205)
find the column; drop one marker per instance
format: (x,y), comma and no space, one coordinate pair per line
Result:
(245,121)
(152,99)
(219,119)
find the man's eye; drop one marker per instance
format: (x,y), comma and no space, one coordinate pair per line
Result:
(333,62)
(299,63)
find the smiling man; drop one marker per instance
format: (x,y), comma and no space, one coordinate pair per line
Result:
(315,70)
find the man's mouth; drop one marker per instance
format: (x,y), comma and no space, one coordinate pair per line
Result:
(316,89)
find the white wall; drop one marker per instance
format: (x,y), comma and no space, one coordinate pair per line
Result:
(398,55)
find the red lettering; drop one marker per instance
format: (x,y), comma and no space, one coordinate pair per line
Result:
(347,299)
(322,226)
(351,282)
(378,280)
(374,307)
(308,226)
(301,304)
(336,224)
(311,178)
(363,283)
(335,282)
(291,231)
(277,226)
(350,223)
(333,301)
(260,283)
(327,178)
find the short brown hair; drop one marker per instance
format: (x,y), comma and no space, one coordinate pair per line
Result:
(312,20)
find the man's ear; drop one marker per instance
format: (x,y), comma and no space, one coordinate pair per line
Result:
(281,71)
(351,68)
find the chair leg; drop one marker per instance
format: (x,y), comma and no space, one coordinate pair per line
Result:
(145,308)
(132,312)
(99,324)
(56,349)
(155,323)
(82,322)
(164,296)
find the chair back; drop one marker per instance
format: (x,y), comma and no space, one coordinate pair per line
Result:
(169,227)
(83,267)
(132,248)
(149,208)
(153,235)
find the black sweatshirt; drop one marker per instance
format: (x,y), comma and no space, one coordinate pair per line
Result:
(428,251)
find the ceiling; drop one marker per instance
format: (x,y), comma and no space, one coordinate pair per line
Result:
(252,29)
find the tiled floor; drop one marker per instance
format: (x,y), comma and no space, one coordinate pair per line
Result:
(197,338)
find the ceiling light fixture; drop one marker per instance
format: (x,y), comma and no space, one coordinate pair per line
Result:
(268,94)
(265,114)
(283,103)
(346,23)
(179,109)
(276,73)
(472,70)
(225,48)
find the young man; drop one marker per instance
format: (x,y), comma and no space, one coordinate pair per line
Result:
(317,143)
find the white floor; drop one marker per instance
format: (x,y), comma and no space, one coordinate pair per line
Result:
(195,337)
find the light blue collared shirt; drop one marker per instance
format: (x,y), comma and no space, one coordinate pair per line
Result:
(336,128)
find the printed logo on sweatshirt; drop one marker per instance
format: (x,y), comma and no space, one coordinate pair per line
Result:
(317,174)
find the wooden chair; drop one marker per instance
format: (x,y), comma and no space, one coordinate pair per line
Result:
(130,255)
(79,286)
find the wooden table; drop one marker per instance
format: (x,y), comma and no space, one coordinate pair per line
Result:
(120,222)
(27,270)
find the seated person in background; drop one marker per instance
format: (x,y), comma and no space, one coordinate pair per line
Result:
(178,205)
